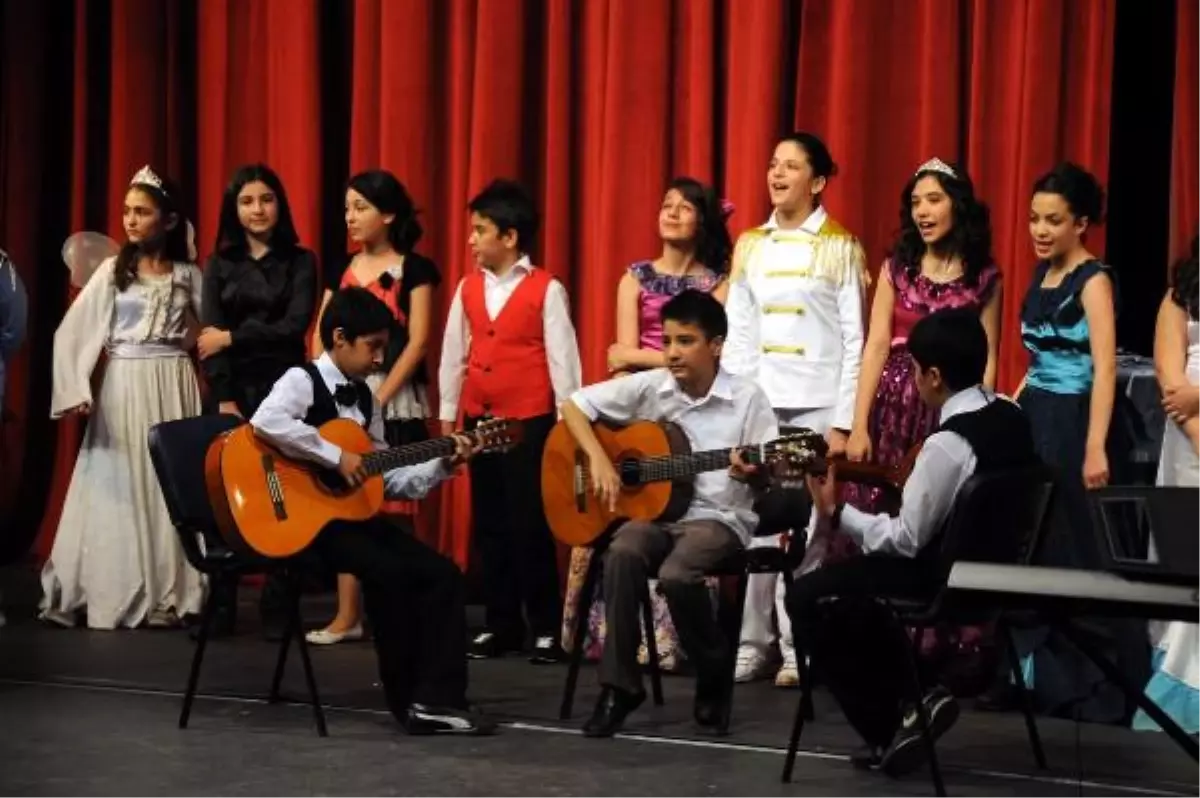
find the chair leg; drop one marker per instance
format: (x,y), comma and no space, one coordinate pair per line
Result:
(206,619)
(1014,664)
(913,647)
(302,644)
(583,605)
(802,669)
(789,762)
(652,662)
(731,623)
(290,630)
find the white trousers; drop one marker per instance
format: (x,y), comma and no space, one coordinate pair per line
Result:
(765,592)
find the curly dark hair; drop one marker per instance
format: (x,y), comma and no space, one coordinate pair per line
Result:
(171,244)
(1185,281)
(970,237)
(1076,185)
(713,245)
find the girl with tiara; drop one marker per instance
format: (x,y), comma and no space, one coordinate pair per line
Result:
(942,258)
(695,255)
(381,218)
(1176,680)
(115,552)
(259,298)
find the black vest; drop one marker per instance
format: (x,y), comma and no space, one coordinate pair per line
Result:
(998,433)
(324,407)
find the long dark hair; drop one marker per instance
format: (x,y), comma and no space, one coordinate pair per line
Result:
(1185,282)
(231,234)
(172,244)
(381,188)
(970,237)
(713,246)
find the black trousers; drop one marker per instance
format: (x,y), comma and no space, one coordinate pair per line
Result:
(857,649)
(414,599)
(516,549)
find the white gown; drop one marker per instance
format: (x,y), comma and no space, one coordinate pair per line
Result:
(1176,681)
(116,552)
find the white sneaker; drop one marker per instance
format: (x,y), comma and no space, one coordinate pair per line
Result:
(58,617)
(752,664)
(789,674)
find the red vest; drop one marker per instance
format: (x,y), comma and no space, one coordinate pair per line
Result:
(507,372)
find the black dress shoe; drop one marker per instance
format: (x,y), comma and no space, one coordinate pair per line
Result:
(867,757)
(547,651)
(426,719)
(713,705)
(613,706)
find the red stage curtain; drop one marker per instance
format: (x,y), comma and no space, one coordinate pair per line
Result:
(594,105)
(1185,173)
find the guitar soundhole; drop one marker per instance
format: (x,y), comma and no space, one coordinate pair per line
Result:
(629,472)
(274,488)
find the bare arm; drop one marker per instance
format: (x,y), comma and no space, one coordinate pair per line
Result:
(990,318)
(1170,345)
(875,353)
(1097,299)
(721,292)
(629,327)
(318,348)
(420,313)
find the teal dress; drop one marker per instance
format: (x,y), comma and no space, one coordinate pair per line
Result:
(1057,399)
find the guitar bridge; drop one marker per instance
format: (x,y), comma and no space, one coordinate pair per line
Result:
(274,488)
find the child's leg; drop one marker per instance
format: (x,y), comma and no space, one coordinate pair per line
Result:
(493,534)
(536,557)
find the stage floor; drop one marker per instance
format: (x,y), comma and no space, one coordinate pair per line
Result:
(95,713)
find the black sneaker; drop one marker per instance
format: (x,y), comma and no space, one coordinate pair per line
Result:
(866,757)
(907,753)
(488,645)
(547,651)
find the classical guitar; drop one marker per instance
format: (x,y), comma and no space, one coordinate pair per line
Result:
(272,505)
(656,466)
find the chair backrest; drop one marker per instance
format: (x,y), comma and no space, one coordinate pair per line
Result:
(999,517)
(177,450)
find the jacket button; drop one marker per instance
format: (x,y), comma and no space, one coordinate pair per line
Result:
(491,333)
(487,368)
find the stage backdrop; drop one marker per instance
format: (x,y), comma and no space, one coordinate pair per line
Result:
(594,105)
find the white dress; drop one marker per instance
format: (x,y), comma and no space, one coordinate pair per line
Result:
(1176,680)
(116,552)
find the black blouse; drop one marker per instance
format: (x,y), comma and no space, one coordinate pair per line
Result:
(267,306)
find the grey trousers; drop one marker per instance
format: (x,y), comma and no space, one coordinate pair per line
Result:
(680,554)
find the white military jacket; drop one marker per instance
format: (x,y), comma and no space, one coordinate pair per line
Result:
(795,312)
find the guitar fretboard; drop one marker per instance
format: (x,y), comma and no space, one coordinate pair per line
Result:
(677,466)
(411,454)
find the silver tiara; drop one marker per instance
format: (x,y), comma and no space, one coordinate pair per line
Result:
(146,177)
(936,165)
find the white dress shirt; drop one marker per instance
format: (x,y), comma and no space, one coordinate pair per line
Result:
(562,350)
(735,412)
(944,465)
(795,307)
(279,420)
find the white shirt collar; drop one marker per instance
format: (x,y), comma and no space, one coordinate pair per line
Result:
(522,267)
(722,387)
(965,401)
(812,224)
(329,371)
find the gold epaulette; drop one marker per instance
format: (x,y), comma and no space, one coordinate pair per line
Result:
(745,246)
(840,254)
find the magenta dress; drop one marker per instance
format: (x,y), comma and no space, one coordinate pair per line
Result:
(656,290)
(899,420)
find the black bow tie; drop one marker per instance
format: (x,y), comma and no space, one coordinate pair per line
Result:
(346,395)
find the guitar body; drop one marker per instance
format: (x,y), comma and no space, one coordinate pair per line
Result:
(572,510)
(271,505)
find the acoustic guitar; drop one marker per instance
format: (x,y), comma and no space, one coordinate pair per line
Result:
(272,505)
(656,466)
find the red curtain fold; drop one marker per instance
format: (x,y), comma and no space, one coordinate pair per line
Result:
(1185,173)
(593,105)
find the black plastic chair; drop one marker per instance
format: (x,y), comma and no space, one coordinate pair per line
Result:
(177,450)
(998,518)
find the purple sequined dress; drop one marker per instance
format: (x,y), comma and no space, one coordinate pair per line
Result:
(656,290)
(899,420)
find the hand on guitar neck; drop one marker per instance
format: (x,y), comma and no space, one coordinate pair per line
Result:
(351,467)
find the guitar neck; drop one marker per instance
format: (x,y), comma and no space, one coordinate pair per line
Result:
(678,466)
(411,454)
